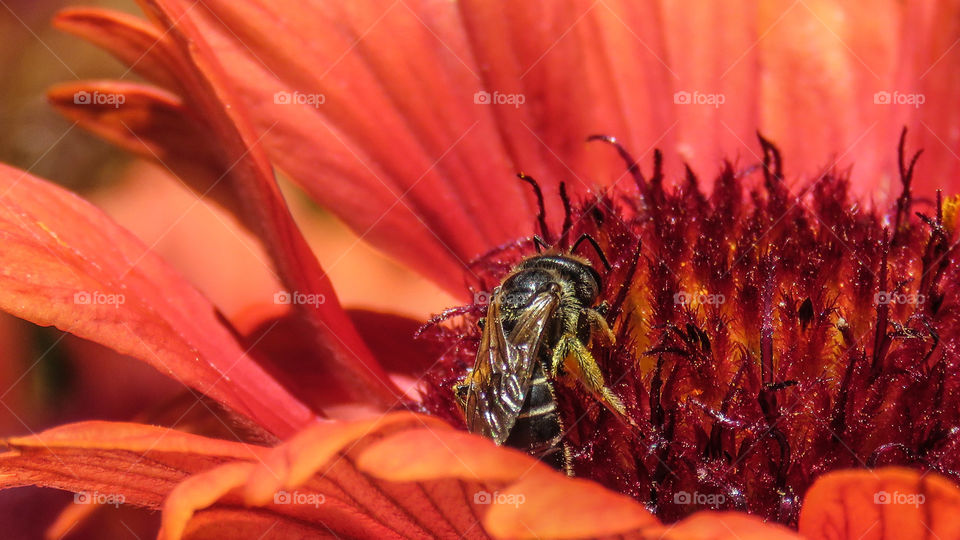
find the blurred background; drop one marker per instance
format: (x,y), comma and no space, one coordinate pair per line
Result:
(48,377)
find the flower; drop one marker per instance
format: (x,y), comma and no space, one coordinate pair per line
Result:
(413,146)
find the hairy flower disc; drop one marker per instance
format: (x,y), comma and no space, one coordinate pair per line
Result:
(765,336)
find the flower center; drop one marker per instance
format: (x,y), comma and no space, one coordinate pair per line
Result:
(764,336)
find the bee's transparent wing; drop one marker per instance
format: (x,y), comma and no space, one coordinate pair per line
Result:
(501,376)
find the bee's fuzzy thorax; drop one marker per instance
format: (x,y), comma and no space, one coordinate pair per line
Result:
(764,337)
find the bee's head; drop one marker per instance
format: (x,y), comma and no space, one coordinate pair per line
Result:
(561,269)
(520,288)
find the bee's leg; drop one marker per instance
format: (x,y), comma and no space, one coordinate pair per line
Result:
(598,323)
(460,392)
(567,459)
(571,357)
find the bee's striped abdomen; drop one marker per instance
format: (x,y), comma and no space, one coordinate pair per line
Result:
(538,429)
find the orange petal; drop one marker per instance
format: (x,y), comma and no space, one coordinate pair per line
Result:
(66,264)
(721,526)
(531,499)
(70,517)
(453,454)
(550,505)
(882,504)
(301,457)
(311,481)
(198,492)
(114,461)
(339,478)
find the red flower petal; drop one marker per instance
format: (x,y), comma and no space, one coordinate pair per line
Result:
(245,173)
(98,522)
(282,344)
(406,146)
(928,49)
(390,133)
(391,338)
(585,68)
(139,463)
(66,264)
(367,158)
(134,41)
(155,125)
(220,523)
(881,504)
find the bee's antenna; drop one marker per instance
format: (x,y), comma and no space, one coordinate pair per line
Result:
(633,166)
(567,213)
(596,246)
(539,244)
(542,212)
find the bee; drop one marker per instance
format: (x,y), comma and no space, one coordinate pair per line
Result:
(538,324)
